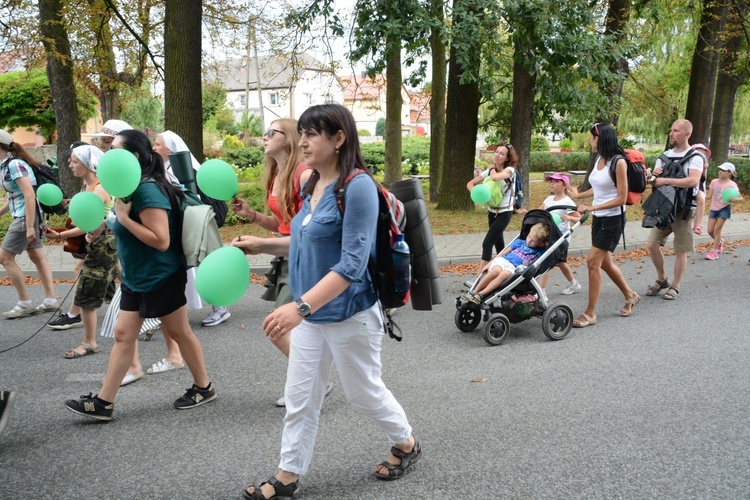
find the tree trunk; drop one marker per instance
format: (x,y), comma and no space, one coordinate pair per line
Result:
(618,16)
(700,99)
(437,100)
(182,73)
(62,87)
(393,105)
(461,123)
(523,113)
(727,83)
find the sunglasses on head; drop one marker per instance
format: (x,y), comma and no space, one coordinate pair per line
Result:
(271,132)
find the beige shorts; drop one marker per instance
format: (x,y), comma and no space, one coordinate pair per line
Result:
(683,234)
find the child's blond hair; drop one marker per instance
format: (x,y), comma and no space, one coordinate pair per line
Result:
(541,231)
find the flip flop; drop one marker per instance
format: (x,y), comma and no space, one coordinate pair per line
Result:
(584,320)
(626,312)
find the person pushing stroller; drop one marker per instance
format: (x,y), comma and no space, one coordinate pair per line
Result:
(518,253)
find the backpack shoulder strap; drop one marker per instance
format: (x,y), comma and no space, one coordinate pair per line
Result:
(613,166)
(340,194)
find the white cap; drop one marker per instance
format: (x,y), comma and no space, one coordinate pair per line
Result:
(5,138)
(727,166)
(111,128)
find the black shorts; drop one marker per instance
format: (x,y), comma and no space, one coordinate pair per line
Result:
(161,302)
(606,232)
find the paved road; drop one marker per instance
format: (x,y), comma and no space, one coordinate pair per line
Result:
(652,406)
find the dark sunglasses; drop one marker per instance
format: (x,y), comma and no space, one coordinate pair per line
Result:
(271,132)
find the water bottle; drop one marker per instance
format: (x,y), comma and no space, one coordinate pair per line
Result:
(401,265)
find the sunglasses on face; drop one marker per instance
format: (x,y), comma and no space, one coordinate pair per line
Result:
(271,132)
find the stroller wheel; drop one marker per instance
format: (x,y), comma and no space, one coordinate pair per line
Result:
(557,321)
(497,329)
(468,316)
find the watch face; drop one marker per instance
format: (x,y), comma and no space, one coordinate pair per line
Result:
(303,308)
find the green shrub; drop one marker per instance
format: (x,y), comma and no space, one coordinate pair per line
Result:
(566,143)
(233,142)
(246,157)
(416,149)
(364,133)
(254,194)
(626,143)
(380,127)
(580,141)
(374,154)
(539,143)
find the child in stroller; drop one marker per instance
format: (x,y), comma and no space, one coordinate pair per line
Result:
(517,296)
(518,253)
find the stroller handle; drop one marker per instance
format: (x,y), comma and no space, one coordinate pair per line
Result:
(584,215)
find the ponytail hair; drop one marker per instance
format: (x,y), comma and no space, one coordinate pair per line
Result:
(19,152)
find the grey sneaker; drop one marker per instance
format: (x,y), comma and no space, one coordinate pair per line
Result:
(44,308)
(19,311)
(281,402)
(218,316)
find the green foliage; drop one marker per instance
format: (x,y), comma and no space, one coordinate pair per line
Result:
(141,109)
(415,149)
(249,125)
(217,115)
(374,155)
(415,154)
(580,141)
(254,194)
(539,143)
(380,127)
(540,161)
(246,157)
(26,101)
(626,143)
(233,142)
(364,133)
(566,143)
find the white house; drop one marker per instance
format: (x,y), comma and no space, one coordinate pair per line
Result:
(288,84)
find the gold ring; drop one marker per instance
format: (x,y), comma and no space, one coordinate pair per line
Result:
(278,327)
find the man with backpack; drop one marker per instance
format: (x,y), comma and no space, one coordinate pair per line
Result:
(692,164)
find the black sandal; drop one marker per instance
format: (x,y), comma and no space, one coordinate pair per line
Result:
(657,287)
(280,491)
(407,460)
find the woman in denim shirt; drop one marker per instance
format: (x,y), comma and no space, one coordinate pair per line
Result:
(335,317)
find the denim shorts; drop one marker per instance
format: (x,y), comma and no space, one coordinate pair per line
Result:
(723,213)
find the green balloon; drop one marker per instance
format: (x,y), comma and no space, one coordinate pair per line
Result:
(119,172)
(557,219)
(728,194)
(87,211)
(217,179)
(481,194)
(49,194)
(223,276)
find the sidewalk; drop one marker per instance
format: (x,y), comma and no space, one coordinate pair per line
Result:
(451,249)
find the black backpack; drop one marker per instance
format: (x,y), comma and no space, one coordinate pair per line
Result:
(391,221)
(662,208)
(636,174)
(45,175)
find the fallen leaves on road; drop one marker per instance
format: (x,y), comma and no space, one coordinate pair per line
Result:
(485,379)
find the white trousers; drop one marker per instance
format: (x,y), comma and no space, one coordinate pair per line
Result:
(354,346)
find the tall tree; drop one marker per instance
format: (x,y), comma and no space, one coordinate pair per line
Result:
(733,72)
(182,72)
(461,113)
(699,109)
(393,104)
(62,85)
(437,98)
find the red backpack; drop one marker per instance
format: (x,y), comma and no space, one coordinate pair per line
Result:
(637,174)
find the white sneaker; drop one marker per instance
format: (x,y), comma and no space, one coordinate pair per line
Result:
(571,288)
(281,402)
(19,311)
(130,378)
(44,307)
(218,315)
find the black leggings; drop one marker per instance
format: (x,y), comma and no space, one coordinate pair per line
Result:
(497,223)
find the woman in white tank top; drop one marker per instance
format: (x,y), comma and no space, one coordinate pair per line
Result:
(608,209)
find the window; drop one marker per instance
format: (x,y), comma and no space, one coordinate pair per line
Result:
(242,99)
(309,99)
(273,99)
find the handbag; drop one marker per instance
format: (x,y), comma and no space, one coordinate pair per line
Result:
(75,245)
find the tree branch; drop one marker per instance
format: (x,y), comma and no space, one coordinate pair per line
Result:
(111,6)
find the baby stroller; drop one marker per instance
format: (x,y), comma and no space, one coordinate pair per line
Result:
(519,297)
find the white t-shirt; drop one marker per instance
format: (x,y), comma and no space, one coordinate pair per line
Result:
(507,190)
(694,163)
(604,189)
(567,202)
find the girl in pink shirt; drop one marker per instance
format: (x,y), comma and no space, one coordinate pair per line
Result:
(719,211)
